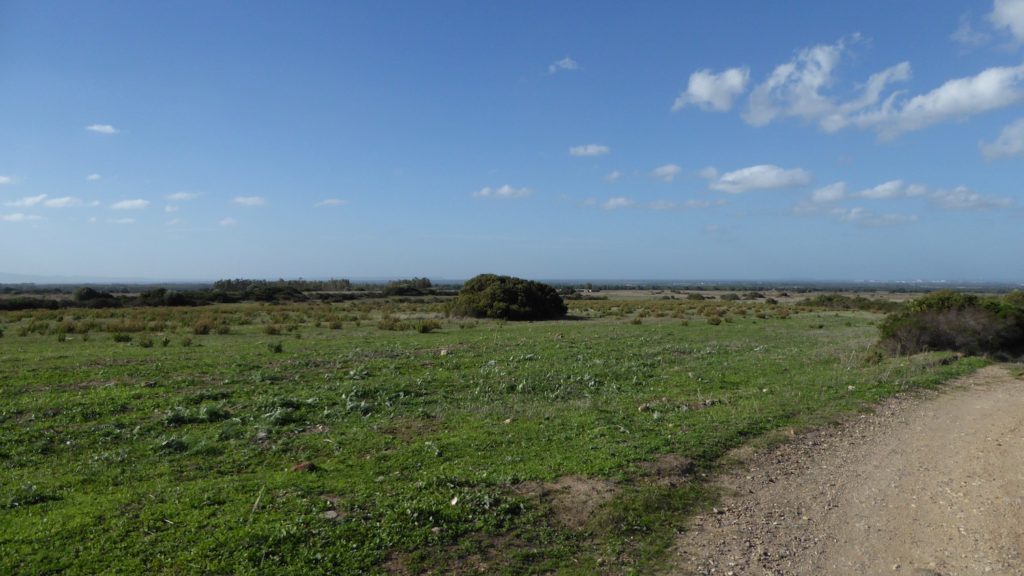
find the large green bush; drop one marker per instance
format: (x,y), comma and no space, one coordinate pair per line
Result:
(508,298)
(947,320)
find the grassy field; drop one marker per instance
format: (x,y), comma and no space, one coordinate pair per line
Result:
(382,438)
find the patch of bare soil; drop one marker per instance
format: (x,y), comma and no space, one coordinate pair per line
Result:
(573,499)
(931,486)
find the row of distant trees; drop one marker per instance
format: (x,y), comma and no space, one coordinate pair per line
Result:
(244,284)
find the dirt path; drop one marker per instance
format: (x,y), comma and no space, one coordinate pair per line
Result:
(922,487)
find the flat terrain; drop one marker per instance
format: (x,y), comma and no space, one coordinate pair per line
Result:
(922,487)
(380,437)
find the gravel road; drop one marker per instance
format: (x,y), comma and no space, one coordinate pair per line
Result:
(927,485)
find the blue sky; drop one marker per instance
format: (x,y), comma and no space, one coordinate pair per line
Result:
(863,140)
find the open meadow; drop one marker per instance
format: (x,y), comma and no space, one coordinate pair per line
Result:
(381,436)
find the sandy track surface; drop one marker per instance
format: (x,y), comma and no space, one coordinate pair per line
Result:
(924,486)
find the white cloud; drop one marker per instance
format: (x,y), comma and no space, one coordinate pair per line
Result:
(249,200)
(19,217)
(962,198)
(182,196)
(93,177)
(122,221)
(793,88)
(760,177)
(865,217)
(229,221)
(589,150)
(893,189)
(137,204)
(710,91)
(102,129)
(613,176)
(890,189)
(170,208)
(563,64)
(27,201)
(5,180)
(1009,143)
(965,34)
(666,173)
(956,99)
(832,193)
(504,192)
(617,203)
(65,202)
(173,222)
(331,202)
(1009,14)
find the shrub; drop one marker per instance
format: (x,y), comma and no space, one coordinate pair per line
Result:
(202,326)
(508,298)
(275,347)
(427,326)
(146,341)
(391,323)
(947,320)
(122,337)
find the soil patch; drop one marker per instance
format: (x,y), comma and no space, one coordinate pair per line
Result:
(573,499)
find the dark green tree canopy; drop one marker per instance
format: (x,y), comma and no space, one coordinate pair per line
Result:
(508,298)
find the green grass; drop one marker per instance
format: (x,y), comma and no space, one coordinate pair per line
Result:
(170,458)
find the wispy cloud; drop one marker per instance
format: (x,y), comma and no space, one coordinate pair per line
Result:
(331,202)
(1009,143)
(864,217)
(831,193)
(960,98)
(613,176)
(666,173)
(93,177)
(893,189)
(962,198)
(505,192)
(102,129)
(65,202)
(708,173)
(966,36)
(182,196)
(171,208)
(617,203)
(589,150)
(567,64)
(5,180)
(803,88)
(229,221)
(137,204)
(19,217)
(710,91)
(249,200)
(121,221)
(27,201)
(760,177)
